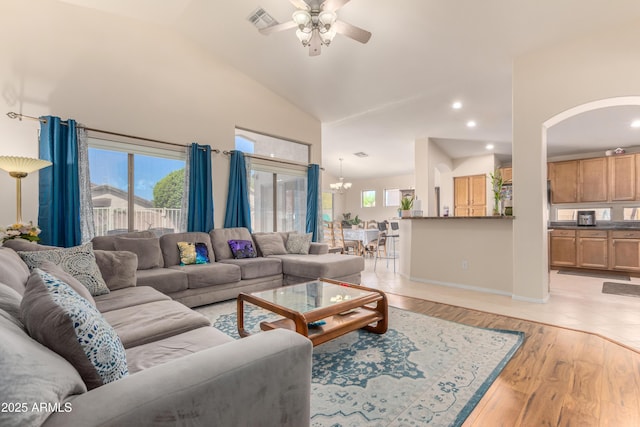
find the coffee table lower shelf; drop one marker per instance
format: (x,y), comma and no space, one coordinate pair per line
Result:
(334,327)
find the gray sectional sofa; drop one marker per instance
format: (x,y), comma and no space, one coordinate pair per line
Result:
(225,277)
(181,371)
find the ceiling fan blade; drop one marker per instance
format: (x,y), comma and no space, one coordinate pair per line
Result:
(300,4)
(280,27)
(315,45)
(352,31)
(334,5)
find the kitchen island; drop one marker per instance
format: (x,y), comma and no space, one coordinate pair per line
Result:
(467,252)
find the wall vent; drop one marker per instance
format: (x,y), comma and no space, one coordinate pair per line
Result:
(261,19)
(360,154)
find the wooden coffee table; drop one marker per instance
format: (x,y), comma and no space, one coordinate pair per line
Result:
(320,310)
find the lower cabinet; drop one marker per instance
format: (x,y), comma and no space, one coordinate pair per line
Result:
(593,249)
(562,247)
(624,247)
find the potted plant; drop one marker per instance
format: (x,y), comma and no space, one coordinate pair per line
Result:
(496,186)
(406,204)
(355,222)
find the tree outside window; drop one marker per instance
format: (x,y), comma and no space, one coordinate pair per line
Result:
(369,199)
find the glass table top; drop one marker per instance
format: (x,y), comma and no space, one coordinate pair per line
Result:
(305,297)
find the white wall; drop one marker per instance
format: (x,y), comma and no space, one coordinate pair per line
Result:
(352,201)
(603,64)
(126,76)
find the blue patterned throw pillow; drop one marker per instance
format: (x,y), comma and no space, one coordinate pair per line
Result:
(242,249)
(58,317)
(193,253)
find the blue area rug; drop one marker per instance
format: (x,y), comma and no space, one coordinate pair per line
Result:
(423,372)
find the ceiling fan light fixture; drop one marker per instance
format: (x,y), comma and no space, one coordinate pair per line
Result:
(327,18)
(327,36)
(302,18)
(304,36)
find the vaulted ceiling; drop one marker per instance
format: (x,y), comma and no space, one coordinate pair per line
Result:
(378,98)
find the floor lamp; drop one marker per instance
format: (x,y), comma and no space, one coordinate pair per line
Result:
(20,167)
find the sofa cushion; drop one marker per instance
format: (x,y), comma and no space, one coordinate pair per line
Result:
(298,243)
(283,234)
(162,351)
(145,323)
(270,244)
(118,268)
(316,266)
(220,240)
(79,261)
(165,280)
(128,297)
(253,268)
(204,275)
(59,273)
(56,316)
(32,373)
(169,245)
(26,245)
(10,302)
(147,250)
(13,271)
(193,253)
(108,243)
(242,249)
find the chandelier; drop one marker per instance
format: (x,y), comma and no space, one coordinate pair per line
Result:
(341,186)
(318,22)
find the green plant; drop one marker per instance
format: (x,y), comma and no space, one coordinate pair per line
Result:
(496,185)
(406,203)
(355,221)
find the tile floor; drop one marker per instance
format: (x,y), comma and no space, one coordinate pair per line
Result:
(576,302)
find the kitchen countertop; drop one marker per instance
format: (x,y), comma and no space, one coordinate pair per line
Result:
(603,225)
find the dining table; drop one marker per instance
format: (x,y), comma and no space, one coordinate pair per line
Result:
(363,236)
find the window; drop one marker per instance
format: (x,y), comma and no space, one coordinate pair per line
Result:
(602,214)
(369,199)
(392,197)
(277,189)
(631,214)
(144,181)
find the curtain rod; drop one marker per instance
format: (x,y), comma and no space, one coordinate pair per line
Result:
(270,159)
(18,116)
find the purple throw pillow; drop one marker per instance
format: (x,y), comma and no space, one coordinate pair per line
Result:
(242,249)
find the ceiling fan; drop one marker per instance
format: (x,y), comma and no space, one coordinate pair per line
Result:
(317,24)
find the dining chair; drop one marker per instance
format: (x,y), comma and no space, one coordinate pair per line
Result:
(329,237)
(348,246)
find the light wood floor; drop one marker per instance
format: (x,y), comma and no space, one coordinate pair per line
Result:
(560,376)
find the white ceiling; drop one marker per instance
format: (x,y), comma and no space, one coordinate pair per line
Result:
(380,97)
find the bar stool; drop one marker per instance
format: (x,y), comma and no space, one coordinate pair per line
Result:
(385,234)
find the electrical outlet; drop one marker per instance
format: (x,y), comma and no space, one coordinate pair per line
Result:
(465,264)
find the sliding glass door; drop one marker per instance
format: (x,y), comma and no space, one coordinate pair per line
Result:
(278,200)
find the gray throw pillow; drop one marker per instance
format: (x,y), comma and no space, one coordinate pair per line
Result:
(118,268)
(57,317)
(299,243)
(147,249)
(10,302)
(270,244)
(78,261)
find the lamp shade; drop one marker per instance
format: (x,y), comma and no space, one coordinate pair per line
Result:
(327,18)
(302,18)
(22,164)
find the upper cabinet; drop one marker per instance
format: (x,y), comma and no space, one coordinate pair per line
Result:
(622,177)
(507,175)
(564,181)
(593,180)
(598,179)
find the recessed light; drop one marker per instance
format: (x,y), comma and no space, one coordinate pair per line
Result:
(456,105)
(471,124)
(635,123)
(489,146)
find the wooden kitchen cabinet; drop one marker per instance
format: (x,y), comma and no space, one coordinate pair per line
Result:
(564,181)
(562,248)
(624,249)
(470,195)
(593,182)
(592,249)
(507,175)
(622,177)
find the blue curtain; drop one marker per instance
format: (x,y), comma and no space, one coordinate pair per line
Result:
(313,195)
(238,210)
(200,212)
(59,200)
